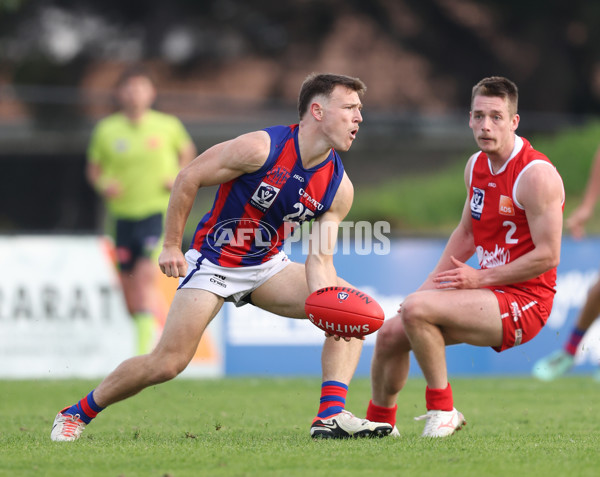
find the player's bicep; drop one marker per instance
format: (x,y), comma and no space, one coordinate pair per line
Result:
(228,160)
(325,229)
(541,193)
(342,202)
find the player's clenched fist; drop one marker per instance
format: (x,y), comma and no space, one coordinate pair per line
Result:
(172,262)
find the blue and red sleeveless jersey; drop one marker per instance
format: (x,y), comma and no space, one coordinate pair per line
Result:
(254,213)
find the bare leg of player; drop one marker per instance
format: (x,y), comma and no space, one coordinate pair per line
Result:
(285,294)
(591,308)
(432,320)
(339,359)
(391,362)
(190,313)
(185,324)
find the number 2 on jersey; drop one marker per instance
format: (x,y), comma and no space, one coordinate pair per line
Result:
(512,228)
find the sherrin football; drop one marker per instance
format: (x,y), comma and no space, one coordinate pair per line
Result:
(344,311)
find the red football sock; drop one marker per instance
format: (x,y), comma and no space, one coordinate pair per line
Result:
(439,399)
(377,413)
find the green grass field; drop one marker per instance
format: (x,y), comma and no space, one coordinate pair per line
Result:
(243,427)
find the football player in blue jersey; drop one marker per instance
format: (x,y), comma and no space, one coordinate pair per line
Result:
(270,180)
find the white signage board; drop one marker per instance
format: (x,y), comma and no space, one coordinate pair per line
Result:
(61,308)
(62,312)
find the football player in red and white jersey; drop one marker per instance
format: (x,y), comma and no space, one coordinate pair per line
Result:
(512,221)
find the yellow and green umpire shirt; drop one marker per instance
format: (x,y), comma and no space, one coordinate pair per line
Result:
(142,157)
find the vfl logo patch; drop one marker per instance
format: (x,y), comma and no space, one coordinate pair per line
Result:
(477,203)
(264,196)
(506,206)
(342,296)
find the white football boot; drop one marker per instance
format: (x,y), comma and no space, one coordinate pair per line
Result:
(345,425)
(66,427)
(442,423)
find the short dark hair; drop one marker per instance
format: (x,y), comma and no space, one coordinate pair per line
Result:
(500,87)
(134,71)
(316,84)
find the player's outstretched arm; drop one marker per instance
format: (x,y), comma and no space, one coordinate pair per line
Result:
(320,271)
(584,211)
(217,165)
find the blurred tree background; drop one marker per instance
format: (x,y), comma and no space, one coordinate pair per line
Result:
(230,66)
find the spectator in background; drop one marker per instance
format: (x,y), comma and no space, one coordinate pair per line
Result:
(560,361)
(133,159)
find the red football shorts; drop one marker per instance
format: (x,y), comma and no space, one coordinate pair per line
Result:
(523,316)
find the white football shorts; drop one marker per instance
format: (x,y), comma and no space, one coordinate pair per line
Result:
(232,283)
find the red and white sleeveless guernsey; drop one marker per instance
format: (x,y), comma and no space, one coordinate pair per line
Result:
(254,213)
(500,229)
